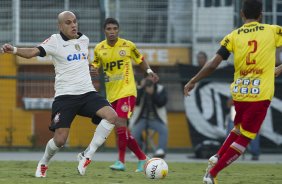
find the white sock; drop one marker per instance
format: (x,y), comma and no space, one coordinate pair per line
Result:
(102,132)
(50,150)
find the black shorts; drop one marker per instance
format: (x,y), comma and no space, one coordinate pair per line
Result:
(66,107)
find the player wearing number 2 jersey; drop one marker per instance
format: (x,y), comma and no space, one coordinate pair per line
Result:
(254,46)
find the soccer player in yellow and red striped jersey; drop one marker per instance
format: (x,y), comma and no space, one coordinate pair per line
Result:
(116,55)
(254,46)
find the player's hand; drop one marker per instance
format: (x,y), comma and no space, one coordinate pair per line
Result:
(94,71)
(154,77)
(278,70)
(188,88)
(7,48)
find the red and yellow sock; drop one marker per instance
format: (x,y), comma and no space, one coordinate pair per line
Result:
(233,152)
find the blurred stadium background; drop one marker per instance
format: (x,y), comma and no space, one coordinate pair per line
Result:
(168,32)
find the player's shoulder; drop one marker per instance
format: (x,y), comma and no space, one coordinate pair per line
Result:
(83,37)
(274,27)
(102,44)
(51,40)
(125,42)
(267,26)
(55,36)
(235,31)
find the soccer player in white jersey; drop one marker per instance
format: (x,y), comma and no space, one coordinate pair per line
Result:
(74,91)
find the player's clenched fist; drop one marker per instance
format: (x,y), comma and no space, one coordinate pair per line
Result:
(94,71)
(7,48)
(278,70)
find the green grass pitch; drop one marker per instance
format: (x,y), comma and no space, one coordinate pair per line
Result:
(22,172)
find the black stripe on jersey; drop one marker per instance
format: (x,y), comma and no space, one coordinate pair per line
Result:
(137,55)
(223,52)
(42,51)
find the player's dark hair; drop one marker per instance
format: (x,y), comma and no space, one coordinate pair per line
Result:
(110,21)
(252,9)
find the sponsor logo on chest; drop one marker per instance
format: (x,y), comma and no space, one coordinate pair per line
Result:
(77,57)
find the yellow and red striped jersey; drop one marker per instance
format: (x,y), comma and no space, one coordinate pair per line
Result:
(254,47)
(117,66)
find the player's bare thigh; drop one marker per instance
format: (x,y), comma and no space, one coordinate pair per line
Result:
(108,113)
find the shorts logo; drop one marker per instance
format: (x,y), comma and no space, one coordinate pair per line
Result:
(122,53)
(124,108)
(57,118)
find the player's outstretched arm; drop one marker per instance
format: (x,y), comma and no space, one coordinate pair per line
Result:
(23,52)
(207,69)
(145,66)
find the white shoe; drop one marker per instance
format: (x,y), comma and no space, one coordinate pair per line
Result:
(41,170)
(211,163)
(208,179)
(83,162)
(160,153)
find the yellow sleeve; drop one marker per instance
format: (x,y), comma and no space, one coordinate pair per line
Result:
(278,35)
(135,54)
(96,60)
(227,42)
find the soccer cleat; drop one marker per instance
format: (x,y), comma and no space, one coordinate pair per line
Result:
(83,162)
(160,153)
(118,166)
(211,163)
(141,164)
(41,171)
(209,179)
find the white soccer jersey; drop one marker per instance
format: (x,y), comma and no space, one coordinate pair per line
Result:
(70,59)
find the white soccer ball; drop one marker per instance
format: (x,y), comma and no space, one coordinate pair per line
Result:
(156,168)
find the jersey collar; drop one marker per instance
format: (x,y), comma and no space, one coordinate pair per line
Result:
(66,38)
(251,23)
(115,43)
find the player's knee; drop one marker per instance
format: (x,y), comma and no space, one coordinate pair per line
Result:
(236,130)
(60,142)
(112,118)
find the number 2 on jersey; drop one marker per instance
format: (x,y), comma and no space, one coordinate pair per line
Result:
(255,45)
